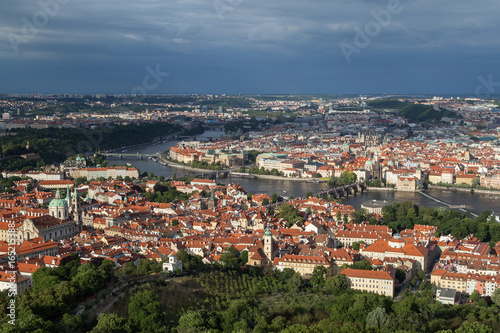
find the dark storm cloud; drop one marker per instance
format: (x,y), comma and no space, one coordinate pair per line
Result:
(249,46)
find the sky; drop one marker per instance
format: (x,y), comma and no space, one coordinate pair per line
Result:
(250,46)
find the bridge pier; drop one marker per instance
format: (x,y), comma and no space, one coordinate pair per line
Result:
(120,157)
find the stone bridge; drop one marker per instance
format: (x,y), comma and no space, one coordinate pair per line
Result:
(345,190)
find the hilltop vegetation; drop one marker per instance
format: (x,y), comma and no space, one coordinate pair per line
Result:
(57,144)
(426,113)
(412,111)
(386,103)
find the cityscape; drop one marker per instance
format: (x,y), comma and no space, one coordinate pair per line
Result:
(235,166)
(385,195)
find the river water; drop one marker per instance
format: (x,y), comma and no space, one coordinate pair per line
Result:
(478,202)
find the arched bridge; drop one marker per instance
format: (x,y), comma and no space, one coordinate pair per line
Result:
(128,155)
(345,190)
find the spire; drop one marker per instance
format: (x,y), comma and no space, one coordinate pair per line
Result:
(75,193)
(67,193)
(268,230)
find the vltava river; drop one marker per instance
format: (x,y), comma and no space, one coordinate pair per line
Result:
(478,202)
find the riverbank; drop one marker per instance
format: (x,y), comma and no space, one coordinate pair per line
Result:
(187,167)
(371,188)
(282,178)
(436,187)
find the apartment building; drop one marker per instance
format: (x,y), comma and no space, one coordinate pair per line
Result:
(379,282)
(113,172)
(302,264)
(445,279)
(397,248)
(485,285)
(406,184)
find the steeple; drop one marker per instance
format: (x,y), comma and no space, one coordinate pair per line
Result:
(68,196)
(268,243)
(267,232)
(75,210)
(75,193)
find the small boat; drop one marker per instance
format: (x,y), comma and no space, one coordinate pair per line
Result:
(285,191)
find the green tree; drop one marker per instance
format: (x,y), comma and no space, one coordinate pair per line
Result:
(360,215)
(27,321)
(320,273)
(362,264)
(411,313)
(400,275)
(475,296)
(377,318)
(299,328)
(243,259)
(291,214)
(109,323)
(197,321)
(473,327)
(44,278)
(356,245)
(89,279)
(337,284)
(145,312)
(496,296)
(348,177)
(230,257)
(339,216)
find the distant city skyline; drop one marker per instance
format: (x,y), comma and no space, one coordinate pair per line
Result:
(250,47)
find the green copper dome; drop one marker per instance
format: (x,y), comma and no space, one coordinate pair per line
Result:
(57,201)
(268,230)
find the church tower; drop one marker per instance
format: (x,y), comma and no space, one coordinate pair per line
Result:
(212,202)
(68,198)
(76,212)
(268,243)
(418,173)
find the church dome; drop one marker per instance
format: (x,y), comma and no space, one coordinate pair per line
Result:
(57,201)
(368,163)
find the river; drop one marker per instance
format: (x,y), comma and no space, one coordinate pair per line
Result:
(478,202)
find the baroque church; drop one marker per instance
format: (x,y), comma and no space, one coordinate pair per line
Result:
(63,221)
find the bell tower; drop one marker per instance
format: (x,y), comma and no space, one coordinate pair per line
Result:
(76,211)
(268,243)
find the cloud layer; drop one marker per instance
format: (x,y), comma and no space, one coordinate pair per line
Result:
(248,46)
